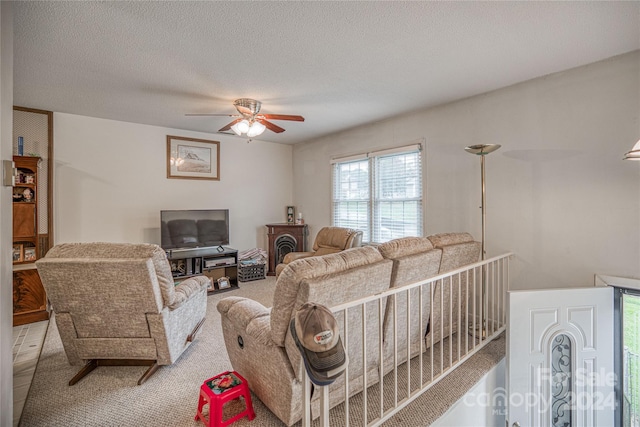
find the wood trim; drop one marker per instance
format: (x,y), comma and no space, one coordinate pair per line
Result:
(50,174)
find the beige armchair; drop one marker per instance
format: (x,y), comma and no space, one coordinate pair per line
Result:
(328,241)
(116,304)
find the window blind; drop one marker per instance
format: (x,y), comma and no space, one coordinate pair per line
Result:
(380,194)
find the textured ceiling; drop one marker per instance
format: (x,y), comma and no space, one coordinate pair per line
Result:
(338,64)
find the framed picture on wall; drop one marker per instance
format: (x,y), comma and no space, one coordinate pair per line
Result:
(190,158)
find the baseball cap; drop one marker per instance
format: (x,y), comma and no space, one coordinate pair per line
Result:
(317,336)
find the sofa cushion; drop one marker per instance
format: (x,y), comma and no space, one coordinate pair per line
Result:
(446,239)
(458,249)
(404,246)
(289,281)
(325,251)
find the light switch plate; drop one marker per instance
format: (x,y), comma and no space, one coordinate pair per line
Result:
(8,175)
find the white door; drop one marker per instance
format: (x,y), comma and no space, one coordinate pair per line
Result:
(560,358)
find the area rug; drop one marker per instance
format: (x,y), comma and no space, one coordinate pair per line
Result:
(109,396)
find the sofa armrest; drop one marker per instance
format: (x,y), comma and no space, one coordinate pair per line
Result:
(186,289)
(292,256)
(248,315)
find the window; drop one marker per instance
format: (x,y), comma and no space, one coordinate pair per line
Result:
(379,193)
(631,358)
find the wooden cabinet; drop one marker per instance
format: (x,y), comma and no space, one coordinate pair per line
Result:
(32,210)
(29,298)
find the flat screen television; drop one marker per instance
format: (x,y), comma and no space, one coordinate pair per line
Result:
(194,228)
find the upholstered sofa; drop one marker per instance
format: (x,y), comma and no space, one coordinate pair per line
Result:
(117,303)
(329,240)
(259,342)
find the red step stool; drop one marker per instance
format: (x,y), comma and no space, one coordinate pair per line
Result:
(218,390)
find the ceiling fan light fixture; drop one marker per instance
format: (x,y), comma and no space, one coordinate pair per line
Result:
(256,129)
(634,154)
(241,127)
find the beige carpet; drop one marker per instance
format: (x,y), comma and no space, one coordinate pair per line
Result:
(109,396)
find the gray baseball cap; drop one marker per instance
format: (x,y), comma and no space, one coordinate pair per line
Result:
(317,336)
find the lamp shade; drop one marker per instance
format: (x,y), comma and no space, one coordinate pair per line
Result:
(256,129)
(634,154)
(241,127)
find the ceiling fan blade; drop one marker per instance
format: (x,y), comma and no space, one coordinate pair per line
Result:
(204,114)
(228,126)
(272,127)
(283,117)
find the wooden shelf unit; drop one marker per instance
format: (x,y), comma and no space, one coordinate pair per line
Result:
(25,210)
(213,262)
(32,211)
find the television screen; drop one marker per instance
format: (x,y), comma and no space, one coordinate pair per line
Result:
(194,228)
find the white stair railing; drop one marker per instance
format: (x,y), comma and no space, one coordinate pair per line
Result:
(467,309)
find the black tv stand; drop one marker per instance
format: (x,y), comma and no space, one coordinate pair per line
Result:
(214,262)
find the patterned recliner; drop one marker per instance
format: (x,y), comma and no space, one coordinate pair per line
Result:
(116,302)
(259,341)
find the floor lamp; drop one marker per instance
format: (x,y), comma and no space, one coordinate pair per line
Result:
(482,150)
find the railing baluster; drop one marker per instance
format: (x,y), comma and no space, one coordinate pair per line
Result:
(346,371)
(459,331)
(420,336)
(395,351)
(441,326)
(408,341)
(451,299)
(475,303)
(364,362)
(495,295)
(466,313)
(431,328)
(381,354)
(306,407)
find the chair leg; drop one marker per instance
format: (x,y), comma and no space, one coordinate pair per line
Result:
(90,366)
(152,370)
(94,363)
(192,335)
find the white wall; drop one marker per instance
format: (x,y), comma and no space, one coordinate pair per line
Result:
(110,182)
(6,213)
(484,404)
(558,193)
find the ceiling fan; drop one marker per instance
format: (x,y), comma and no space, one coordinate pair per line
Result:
(250,121)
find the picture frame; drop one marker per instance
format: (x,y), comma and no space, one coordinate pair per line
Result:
(29,254)
(223,283)
(191,158)
(17,253)
(291,214)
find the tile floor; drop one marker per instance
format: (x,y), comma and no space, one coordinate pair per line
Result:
(27,343)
